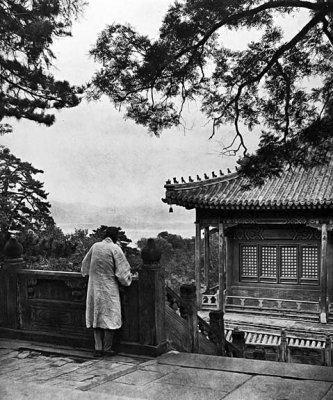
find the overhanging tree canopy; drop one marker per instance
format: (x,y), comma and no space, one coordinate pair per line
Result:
(282,84)
(27,30)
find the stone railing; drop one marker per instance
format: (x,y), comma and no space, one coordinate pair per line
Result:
(50,307)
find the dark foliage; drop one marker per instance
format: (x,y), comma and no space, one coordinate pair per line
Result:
(27,31)
(281,84)
(51,249)
(23,201)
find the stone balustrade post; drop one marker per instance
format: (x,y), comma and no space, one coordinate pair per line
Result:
(238,341)
(152,300)
(189,311)
(328,351)
(13,262)
(283,349)
(216,322)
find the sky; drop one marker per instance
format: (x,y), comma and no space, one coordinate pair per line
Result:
(91,154)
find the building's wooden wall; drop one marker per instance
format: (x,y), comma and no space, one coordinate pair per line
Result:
(260,297)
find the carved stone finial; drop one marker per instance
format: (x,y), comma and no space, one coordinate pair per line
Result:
(183,180)
(198,178)
(13,248)
(214,175)
(175,180)
(168,182)
(187,291)
(206,176)
(229,171)
(190,179)
(221,173)
(151,253)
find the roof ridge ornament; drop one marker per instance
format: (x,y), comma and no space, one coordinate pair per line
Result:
(174,181)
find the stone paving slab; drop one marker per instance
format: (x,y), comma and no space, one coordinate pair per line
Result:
(274,388)
(329,395)
(15,390)
(154,366)
(254,367)
(31,374)
(45,347)
(157,391)
(221,381)
(139,377)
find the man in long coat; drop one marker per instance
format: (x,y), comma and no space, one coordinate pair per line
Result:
(106,265)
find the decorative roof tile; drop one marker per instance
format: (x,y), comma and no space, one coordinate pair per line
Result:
(297,188)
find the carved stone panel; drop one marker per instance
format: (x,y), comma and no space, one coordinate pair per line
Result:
(48,317)
(65,290)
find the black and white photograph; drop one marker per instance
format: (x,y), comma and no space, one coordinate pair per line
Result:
(166,199)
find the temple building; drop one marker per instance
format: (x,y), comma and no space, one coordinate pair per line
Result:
(275,241)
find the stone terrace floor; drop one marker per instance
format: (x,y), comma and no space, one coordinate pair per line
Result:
(35,371)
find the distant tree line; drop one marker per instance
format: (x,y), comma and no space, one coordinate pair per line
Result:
(53,250)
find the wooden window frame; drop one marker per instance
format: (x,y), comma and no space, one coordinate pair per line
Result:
(278,279)
(248,278)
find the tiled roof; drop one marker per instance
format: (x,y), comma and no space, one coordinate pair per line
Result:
(295,189)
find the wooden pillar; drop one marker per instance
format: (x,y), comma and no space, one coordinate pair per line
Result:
(197,271)
(207,258)
(221,267)
(329,293)
(323,275)
(228,266)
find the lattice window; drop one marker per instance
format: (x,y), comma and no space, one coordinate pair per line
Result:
(268,261)
(289,262)
(310,258)
(249,261)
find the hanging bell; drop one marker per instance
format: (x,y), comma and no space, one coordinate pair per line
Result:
(170,209)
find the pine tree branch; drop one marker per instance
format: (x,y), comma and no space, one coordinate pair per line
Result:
(323,8)
(273,60)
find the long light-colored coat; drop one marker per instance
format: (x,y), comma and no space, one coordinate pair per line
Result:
(106,264)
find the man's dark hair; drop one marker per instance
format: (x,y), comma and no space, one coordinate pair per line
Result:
(112,232)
